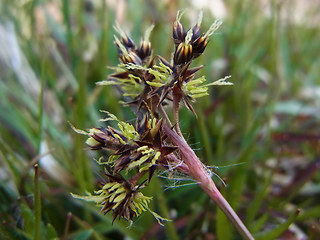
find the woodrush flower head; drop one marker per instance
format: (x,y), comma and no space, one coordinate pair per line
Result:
(152,81)
(120,196)
(138,149)
(178,32)
(130,152)
(123,198)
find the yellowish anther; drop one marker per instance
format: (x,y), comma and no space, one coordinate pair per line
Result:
(142,148)
(120,197)
(115,186)
(154,122)
(149,124)
(163,68)
(138,162)
(79,131)
(92,142)
(196,89)
(196,81)
(119,138)
(155,84)
(132,66)
(156,157)
(199,90)
(120,190)
(93,131)
(118,203)
(112,158)
(148,151)
(108,185)
(133,78)
(101,161)
(161,72)
(126,128)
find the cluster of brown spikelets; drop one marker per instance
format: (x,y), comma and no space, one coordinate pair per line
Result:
(132,153)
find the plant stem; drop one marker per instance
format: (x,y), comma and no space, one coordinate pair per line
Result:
(171,231)
(176,102)
(164,114)
(37,204)
(203,177)
(67,226)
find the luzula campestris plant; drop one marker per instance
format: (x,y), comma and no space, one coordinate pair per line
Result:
(154,143)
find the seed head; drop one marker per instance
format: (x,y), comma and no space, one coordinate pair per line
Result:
(132,153)
(183,54)
(196,32)
(144,50)
(131,57)
(103,138)
(128,43)
(178,32)
(199,45)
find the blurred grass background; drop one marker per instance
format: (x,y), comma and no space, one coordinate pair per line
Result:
(261,135)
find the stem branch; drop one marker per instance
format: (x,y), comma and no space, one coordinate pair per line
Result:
(176,102)
(164,115)
(37,204)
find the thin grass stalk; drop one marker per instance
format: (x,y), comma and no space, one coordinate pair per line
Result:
(37,197)
(40,110)
(67,22)
(37,204)
(223,229)
(169,226)
(205,135)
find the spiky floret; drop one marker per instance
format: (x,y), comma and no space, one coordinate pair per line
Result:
(196,89)
(149,82)
(121,197)
(138,148)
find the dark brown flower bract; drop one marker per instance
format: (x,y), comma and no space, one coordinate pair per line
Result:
(128,43)
(178,32)
(144,50)
(132,57)
(199,45)
(196,31)
(183,54)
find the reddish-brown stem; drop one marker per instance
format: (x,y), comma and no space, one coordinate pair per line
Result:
(200,175)
(164,115)
(67,226)
(137,177)
(176,102)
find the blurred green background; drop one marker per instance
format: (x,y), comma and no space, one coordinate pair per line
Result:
(260,135)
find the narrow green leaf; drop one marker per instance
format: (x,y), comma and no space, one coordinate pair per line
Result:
(84,235)
(28,220)
(51,232)
(281,228)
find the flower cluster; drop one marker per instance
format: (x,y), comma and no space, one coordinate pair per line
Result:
(135,152)
(150,81)
(120,196)
(141,149)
